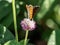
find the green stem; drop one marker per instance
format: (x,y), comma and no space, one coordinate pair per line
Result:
(14,17)
(26,36)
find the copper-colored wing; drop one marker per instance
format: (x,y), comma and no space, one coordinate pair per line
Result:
(30,10)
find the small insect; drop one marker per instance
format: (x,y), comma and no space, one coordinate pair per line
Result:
(31,10)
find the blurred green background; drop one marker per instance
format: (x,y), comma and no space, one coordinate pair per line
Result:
(47,18)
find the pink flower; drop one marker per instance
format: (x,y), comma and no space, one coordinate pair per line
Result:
(28,24)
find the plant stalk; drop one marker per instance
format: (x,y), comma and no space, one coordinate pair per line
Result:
(14,18)
(26,36)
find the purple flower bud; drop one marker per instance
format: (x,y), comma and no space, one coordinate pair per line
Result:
(28,24)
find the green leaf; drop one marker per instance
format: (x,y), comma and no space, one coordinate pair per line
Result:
(5,34)
(6,17)
(52,39)
(13,42)
(4,9)
(51,24)
(57,36)
(57,14)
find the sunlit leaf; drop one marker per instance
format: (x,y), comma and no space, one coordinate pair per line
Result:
(51,24)
(57,14)
(52,39)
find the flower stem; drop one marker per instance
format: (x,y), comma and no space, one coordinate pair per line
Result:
(26,36)
(14,18)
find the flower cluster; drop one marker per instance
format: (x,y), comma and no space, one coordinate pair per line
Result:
(28,24)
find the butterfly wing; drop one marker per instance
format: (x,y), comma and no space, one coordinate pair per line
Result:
(31,10)
(35,9)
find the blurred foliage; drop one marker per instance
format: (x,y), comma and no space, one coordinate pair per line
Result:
(5,35)
(52,39)
(13,42)
(47,16)
(57,36)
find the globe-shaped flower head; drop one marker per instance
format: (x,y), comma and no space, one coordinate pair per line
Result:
(28,24)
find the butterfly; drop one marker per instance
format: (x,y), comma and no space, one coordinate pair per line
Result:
(31,10)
